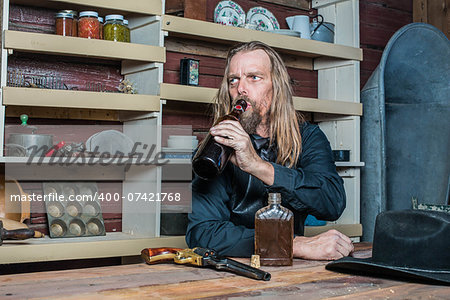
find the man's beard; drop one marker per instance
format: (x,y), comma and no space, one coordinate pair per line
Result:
(251,119)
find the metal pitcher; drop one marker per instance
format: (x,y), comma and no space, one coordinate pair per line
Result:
(320,30)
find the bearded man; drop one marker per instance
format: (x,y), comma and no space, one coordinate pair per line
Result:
(275,151)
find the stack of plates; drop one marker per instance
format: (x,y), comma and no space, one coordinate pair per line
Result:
(286,32)
(259,18)
(180,146)
(188,142)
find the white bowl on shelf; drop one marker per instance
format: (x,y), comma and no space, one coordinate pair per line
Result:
(182,142)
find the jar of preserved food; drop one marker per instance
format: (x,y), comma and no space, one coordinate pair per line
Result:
(127,31)
(75,20)
(88,25)
(100,28)
(64,24)
(114,29)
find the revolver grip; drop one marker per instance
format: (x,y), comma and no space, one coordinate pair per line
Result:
(153,255)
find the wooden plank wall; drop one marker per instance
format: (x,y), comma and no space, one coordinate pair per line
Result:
(379,20)
(434,12)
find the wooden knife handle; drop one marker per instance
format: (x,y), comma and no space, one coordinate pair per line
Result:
(17,234)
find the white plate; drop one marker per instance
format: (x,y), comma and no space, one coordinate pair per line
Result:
(263,18)
(286,32)
(229,9)
(176,150)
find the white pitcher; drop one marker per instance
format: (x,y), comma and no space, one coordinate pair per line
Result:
(300,23)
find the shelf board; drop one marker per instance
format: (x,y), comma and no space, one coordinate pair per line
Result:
(350,164)
(205,95)
(187,93)
(81,47)
(328,106)
(112,245)
(178,161)
(79,99)
(151,7)
(184,27)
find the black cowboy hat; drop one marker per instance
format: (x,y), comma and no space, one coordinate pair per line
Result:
(410,244)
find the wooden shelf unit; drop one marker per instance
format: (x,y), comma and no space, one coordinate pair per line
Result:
(141,62)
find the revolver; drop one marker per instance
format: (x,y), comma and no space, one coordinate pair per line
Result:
(202,257)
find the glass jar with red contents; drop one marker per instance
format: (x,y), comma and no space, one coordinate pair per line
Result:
(75,20)
(88,25)
(100,20)
(64,24)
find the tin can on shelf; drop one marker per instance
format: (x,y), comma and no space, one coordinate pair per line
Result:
(189,71)
(64,24)
(88,25)
(114,29)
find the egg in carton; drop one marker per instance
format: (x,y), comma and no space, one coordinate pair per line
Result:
(73,210)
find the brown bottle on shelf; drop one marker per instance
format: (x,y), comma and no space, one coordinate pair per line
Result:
(212,157)
(274,233)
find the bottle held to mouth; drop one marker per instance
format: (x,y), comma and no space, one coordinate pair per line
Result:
(212,157)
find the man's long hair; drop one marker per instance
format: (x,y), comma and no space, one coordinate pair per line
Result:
(283,119)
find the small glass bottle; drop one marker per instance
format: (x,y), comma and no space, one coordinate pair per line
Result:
(88,25)
(114,29)
(127,31)
(274,233)
(63,24)
(212,157)
(100,27)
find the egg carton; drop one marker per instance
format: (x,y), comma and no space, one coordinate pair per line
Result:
(73,210)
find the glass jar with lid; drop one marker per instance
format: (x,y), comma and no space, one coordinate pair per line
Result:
(88,25)
(64,24)
(114,29)
(75,20)
(100,21)
(127,31)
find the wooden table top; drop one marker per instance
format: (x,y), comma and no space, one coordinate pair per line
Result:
(303,280)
